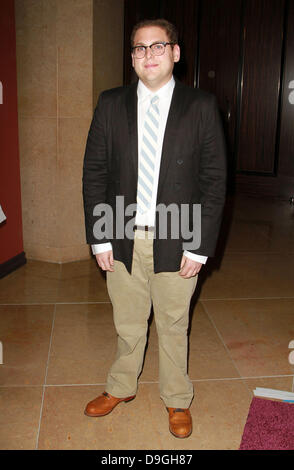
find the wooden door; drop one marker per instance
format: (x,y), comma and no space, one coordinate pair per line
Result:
(184,14)
(219,63)
(286,141)
(261,72)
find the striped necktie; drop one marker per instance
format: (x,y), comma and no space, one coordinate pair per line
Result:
(147,156)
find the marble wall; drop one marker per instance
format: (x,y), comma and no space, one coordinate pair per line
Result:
(108,45)
(67,52)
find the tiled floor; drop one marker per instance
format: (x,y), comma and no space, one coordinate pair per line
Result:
(59,341)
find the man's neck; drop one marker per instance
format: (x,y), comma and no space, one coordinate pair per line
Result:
(145,89)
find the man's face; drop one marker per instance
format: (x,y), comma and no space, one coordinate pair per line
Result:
(154,71)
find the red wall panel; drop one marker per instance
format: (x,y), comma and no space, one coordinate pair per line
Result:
(11,241)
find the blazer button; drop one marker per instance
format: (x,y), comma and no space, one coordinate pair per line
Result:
(179,162)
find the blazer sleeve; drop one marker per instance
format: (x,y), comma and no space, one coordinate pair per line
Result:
(212,178)
(95,174)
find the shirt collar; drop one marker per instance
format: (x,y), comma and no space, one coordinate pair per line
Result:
(163,92)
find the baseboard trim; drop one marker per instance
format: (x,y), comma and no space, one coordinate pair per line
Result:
(12,264)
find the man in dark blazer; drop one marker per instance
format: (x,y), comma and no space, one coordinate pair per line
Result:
(156,144)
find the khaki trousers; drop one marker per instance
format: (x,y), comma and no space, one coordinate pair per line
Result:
(132,296)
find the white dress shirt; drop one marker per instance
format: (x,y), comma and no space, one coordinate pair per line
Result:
(144,96)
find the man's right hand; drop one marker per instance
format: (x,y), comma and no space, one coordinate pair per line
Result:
(105,260)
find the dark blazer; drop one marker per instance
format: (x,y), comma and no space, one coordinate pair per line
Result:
(192,171)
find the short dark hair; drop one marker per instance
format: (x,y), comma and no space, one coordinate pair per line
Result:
(168,27)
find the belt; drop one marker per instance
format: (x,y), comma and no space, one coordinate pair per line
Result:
(144,228)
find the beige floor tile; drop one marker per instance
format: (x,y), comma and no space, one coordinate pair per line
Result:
(255,225)
(276,383)
(219,414)
(264,209)
(249,275)
(208,358)
(25,336)
(280,239)
(64,425)
(19,417)
(249,236)
(35,282)
(256,332)
(83,344)
(259,225)
(82,281)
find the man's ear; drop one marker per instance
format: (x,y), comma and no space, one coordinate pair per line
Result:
(176,53)
(133,60)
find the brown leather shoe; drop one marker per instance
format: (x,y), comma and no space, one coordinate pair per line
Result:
(180,422)
(104,404)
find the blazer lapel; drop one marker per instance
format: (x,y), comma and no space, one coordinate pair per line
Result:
(170,135)
(131,105)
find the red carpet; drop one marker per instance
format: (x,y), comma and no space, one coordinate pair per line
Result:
(269,426)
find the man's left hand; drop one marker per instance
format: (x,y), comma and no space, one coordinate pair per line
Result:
(189,268)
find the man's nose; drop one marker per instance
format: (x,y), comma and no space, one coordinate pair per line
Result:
(148,53)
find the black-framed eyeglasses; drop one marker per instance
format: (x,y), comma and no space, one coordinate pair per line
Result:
(157,48)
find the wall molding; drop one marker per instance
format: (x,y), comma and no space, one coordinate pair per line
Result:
(12,264)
